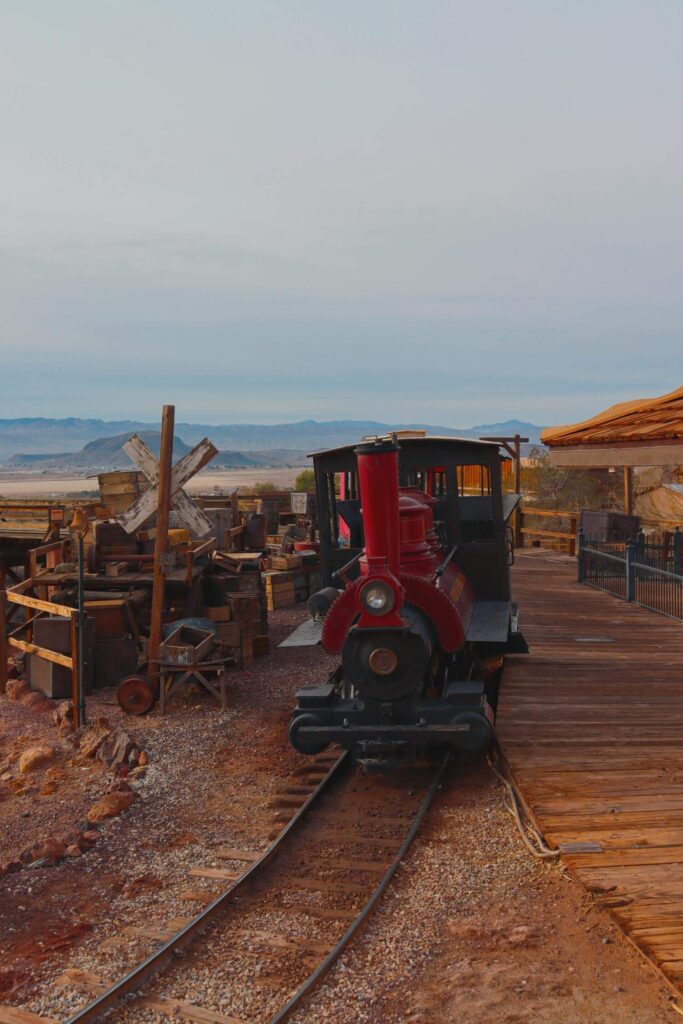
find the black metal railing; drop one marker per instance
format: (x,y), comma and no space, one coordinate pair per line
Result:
(640,571)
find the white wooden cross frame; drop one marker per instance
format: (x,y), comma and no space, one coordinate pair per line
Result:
(146,505)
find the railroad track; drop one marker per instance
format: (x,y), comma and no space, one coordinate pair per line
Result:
(342,836)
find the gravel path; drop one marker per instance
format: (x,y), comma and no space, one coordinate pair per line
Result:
(471,930)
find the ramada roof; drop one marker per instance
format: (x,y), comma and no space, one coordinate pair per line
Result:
(643,420)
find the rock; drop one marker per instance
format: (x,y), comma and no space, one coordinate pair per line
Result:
(5,777)
(16,689)
(65,728)
(119,786)
(48,788)
(50,849)
(91,740)
(34,757)
(11,866)
(143,759)
(109,806)
(89,837)
(115,749)
(520,935)
(73,851)
(35,700)
(63,712)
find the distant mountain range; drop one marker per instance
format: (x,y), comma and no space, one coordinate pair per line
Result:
(107,454)
(92,445)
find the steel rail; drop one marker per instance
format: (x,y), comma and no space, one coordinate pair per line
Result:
(143,972)
(321,970)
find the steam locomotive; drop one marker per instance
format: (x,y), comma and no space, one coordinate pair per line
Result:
(415,556)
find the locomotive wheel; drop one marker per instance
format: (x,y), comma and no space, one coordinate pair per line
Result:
(305,746)
(480,732)
(137,694)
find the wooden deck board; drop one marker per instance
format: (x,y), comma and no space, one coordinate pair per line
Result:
(590,725)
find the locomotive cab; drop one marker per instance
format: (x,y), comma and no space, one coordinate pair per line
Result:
(415,552)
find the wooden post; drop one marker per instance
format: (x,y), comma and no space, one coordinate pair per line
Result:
(573,520)
(161,539)
(4,649)
(628,490)
(519,536)
(76,681)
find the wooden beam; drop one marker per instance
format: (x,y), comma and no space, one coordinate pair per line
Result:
(59,659)
(594,456)
(518,538)
(3,644)
(628,490)
(161,540)
(185,468)
(38,605)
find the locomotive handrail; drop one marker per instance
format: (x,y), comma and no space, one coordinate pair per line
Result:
(341,573)
(440,569)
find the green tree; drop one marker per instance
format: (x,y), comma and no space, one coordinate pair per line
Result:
(265,486)
(305,481)
(550,487)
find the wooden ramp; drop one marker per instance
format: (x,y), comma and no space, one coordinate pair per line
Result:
(591,725)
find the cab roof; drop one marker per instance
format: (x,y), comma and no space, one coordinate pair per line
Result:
(409,439)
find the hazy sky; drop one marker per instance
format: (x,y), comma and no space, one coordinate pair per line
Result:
(455,212)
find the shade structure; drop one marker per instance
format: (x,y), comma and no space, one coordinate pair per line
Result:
(643,432)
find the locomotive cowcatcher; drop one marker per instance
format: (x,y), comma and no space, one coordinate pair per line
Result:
(415,556)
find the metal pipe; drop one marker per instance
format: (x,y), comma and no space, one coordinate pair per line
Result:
(81,633)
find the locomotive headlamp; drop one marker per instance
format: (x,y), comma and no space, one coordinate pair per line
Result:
(377,598)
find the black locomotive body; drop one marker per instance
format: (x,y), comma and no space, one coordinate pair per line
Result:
(415,546)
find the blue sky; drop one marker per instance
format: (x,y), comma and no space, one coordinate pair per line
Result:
(264,211)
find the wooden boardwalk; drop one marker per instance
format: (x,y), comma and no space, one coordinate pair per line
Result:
(591,725)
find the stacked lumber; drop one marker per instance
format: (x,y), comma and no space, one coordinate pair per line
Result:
(280,590)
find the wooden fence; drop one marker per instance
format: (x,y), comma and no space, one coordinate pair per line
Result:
(547,533)
(558,529)
(17,596)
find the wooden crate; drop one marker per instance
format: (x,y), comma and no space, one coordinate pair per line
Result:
(281,598)
(284,561)
(222,613)
(229,633)
(247,651)
(119,490)
(261,645)
(245,607)
(186,645)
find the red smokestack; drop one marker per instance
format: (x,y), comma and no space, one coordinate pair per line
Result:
(378,477)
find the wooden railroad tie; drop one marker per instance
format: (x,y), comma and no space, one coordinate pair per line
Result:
(347,864)
(197,896)
(13,1015)
(219,873)
(93,984)
(286,942)
(323,885)
(324,913)
(226,853)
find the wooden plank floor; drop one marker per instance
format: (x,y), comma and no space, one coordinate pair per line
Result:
(591,725)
